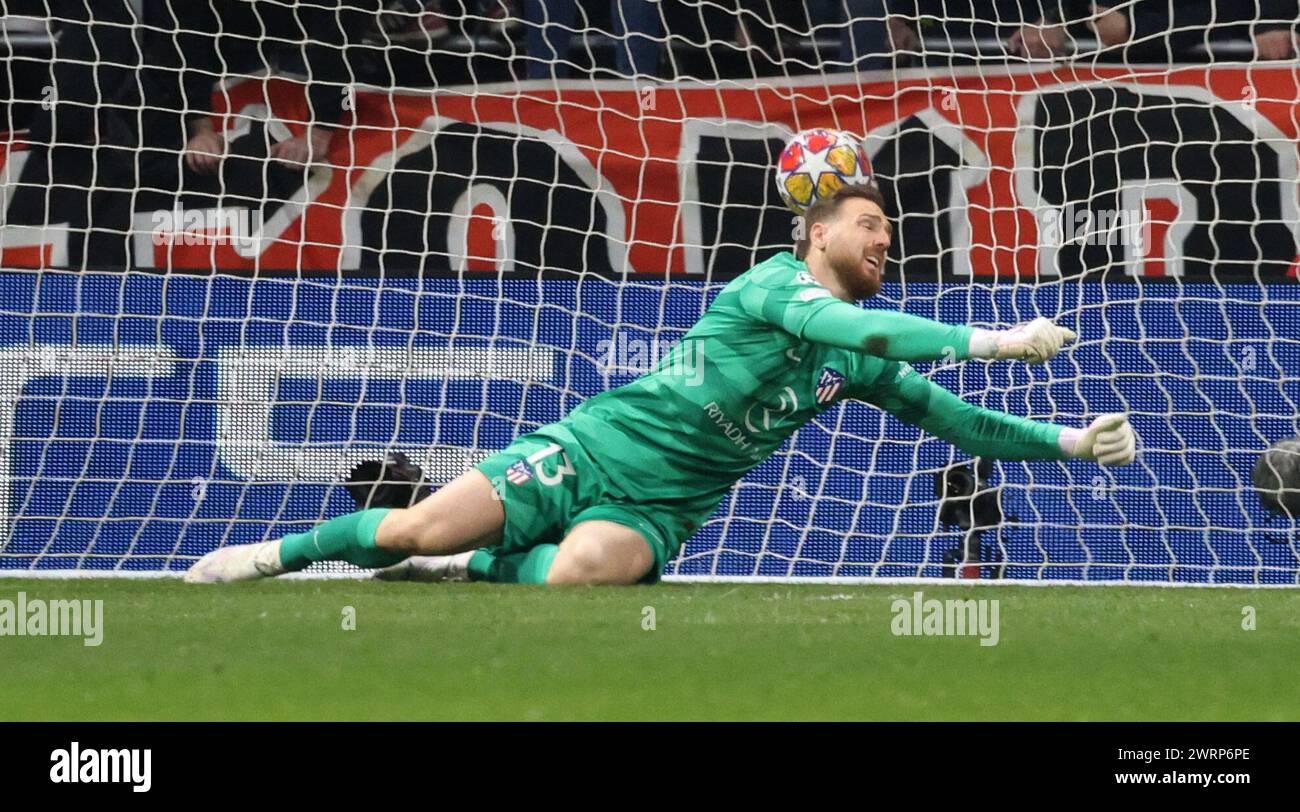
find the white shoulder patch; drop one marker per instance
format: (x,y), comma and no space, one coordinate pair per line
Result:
(808,294)
(806,278)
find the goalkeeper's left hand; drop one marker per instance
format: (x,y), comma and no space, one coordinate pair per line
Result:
(1108,440)
(1034,342)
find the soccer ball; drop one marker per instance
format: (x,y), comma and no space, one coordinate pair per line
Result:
(1277,476)
(817,162)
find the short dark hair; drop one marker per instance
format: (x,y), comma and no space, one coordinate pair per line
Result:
(825,208)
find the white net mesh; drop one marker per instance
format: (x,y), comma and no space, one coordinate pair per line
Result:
(247,244)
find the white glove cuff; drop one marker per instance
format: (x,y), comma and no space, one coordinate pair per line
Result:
(983,343)
(1069,440)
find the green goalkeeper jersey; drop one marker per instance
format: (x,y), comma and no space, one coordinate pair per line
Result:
(773,351)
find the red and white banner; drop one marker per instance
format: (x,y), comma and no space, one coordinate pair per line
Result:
(1153,172)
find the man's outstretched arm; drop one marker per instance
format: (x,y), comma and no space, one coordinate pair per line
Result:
(810,312)
(982,432)
(904,337)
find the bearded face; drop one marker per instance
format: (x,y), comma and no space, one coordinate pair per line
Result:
(857,242)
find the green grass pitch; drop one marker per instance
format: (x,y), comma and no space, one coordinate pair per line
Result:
(278,651)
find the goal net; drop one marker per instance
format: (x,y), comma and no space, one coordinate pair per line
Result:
(247,245)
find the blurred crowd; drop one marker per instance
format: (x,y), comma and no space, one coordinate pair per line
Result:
(167,54)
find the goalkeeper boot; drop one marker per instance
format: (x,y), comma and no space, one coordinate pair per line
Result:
(238,562)
(428,568)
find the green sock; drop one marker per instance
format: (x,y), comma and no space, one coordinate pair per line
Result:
(515,568)
(349,538)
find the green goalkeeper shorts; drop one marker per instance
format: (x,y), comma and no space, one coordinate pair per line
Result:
(549,484)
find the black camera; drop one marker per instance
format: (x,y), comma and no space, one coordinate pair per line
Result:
(968,501)
(393,482)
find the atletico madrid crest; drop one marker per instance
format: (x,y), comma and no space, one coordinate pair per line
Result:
(519,473)
(828,386)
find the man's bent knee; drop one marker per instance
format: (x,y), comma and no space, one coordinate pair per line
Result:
(593,558)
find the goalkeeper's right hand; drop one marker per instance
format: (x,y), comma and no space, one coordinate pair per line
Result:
(1109,440)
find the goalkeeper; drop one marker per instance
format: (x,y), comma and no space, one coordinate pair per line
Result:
(610,493)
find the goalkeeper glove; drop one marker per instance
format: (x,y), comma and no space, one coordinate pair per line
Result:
(1108,440)
(1033,342)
